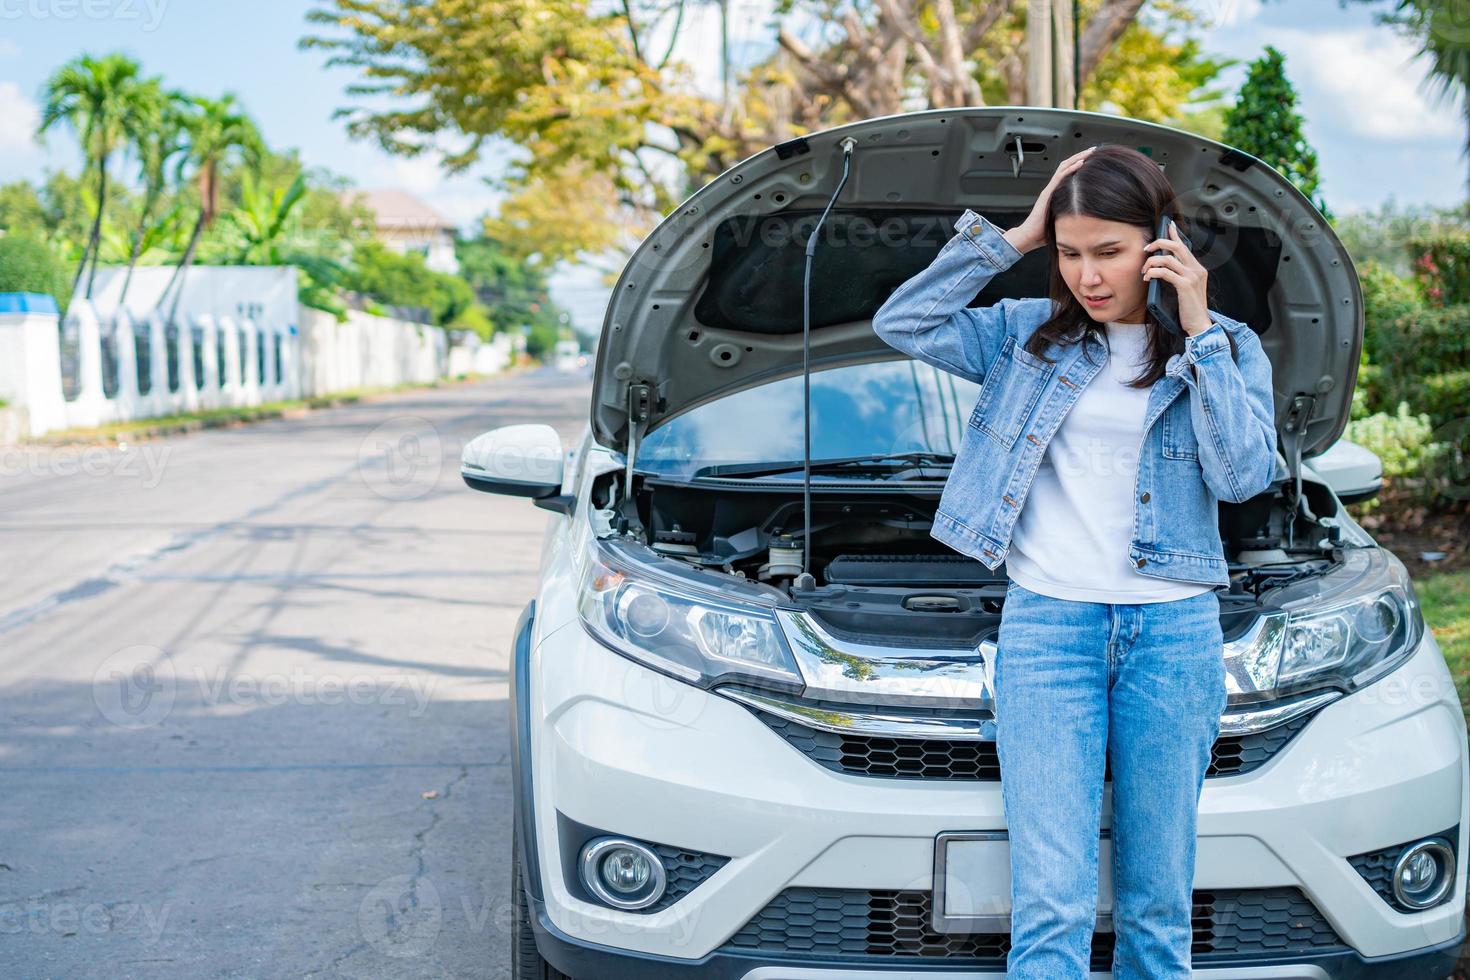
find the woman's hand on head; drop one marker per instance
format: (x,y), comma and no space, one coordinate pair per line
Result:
(1031,233)
(1178,267)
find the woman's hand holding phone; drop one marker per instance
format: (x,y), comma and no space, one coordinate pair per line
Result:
(1031,233)
(1176,265)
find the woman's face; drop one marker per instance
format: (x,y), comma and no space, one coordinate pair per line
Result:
(1103,260)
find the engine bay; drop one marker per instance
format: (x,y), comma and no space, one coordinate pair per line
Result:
(878,573)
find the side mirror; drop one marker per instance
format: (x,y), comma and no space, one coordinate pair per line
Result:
(518,460)
(1353,472)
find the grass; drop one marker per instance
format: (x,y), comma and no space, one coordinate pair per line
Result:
(1446,603)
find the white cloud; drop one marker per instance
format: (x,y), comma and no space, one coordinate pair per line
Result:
(19,117)
(1368,84)
(9,49)
(1230,13)
(417,175)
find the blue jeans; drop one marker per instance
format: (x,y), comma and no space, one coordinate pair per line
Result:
(1142,684)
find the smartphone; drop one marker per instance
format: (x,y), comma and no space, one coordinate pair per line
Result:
(1163,298)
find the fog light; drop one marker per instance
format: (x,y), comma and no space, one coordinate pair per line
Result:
(622,873)
(1423,874)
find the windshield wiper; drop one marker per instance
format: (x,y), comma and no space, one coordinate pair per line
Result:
(879,463)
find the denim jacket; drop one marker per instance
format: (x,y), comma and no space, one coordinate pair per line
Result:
(1217,442)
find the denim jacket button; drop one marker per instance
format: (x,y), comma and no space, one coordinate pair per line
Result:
(1144,498)
(1140,562)
(976,228)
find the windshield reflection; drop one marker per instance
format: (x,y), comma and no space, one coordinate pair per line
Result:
(857,410)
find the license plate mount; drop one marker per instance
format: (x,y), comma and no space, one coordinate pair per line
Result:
(972,882)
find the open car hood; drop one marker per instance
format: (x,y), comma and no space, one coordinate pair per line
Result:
(710,303)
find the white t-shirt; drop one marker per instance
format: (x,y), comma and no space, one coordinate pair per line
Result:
(1072,536)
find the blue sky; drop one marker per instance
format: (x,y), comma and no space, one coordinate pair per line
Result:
(1377,133)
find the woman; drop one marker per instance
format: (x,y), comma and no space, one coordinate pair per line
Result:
(1110,646)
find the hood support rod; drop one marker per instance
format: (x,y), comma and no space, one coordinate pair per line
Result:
(806,580)
(640,397)
(1295,428)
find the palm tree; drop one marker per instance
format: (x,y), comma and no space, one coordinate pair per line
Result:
(216,133)
(160,139)
(263,218)
(102,99)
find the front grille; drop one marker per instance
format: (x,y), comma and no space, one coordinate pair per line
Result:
(831,922)
(1376,867)
(934,758)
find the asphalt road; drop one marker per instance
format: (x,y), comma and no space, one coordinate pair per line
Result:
(253,695)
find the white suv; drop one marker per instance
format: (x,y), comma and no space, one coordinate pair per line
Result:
(725,771)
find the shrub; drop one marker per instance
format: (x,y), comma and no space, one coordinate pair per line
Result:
(405,281)
(476,319)
(1387,298)
(1404,442)
(1415,348)
(1445,397)
(29,266)
(1442,267)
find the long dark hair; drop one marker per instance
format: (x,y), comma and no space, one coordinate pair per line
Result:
(1116,183)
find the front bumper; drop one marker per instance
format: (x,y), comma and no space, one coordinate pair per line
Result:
(621,748)
(589,961)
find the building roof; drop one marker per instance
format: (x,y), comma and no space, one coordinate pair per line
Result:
(400,210)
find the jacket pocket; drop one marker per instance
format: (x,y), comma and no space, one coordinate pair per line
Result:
(1179,439)
(1010,392)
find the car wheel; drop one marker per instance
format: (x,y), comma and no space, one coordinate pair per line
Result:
(525,962)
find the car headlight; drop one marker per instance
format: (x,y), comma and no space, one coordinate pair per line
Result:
(673,626)
(1346,637)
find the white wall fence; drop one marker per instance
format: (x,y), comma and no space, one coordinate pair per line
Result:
(368,352)
(469,355)
(85,371)
(239,338)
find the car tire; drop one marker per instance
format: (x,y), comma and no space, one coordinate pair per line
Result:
(525,961)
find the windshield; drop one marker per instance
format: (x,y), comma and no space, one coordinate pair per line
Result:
(880,408)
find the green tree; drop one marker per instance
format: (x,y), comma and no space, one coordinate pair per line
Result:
(262,218)
(512,291)
(158,142)
(27,265)
(581,88)
(104,101)
(1264,123)
(216,132)
(404,281)
(67,217)
(21,209)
